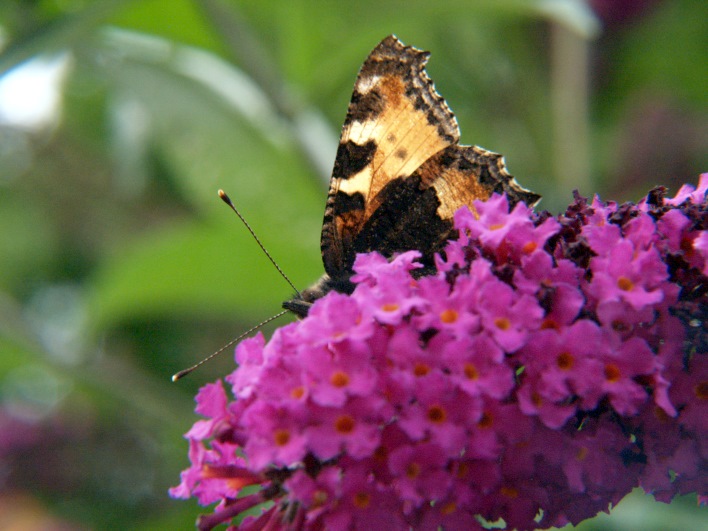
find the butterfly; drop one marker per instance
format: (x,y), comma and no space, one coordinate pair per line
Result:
(400,173)
(399,176)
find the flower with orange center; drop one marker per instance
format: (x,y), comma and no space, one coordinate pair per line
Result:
(436,414)
(549,324)
(344,424)
(470,371)
(362,499)
(448,316)
(339,379)
(421,369)
(529,247)
(281,437)
(612,372)
(502,323)
(565,361)
(298,392)
(412,470)
(625,284)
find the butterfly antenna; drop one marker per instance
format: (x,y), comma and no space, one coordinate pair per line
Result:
(226,199)
(185,372)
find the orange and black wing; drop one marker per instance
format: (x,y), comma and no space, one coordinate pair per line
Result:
(400,173)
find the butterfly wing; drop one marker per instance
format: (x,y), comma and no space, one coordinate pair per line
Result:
(395,122)
(400,174)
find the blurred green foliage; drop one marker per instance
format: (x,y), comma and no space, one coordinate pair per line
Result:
(118,265)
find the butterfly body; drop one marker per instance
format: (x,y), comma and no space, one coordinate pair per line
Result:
(399,173)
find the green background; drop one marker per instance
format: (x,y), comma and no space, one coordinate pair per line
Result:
(119,265)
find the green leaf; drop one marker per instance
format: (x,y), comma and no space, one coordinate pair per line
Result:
(200,270)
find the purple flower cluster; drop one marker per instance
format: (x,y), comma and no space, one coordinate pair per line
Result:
(550,366)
